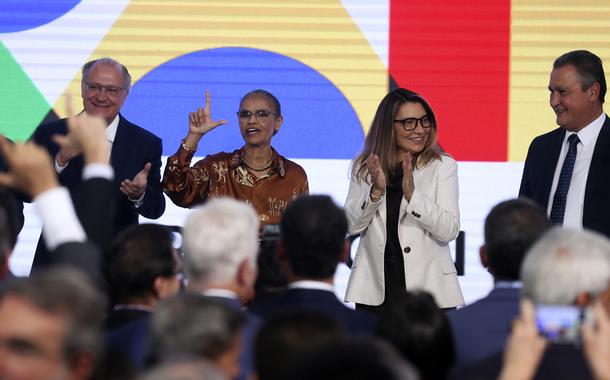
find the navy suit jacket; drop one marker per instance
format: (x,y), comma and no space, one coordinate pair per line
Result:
(323,302)
(480,329)
(253,324)
(132,339)
(133,147)
(539,170)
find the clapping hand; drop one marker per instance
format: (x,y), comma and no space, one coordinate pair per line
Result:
(378,179)
(407,177)
(137,186)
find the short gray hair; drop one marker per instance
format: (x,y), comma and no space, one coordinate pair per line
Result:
(184,370)
(193,326)
(217,238)
(106,61)
(565,263)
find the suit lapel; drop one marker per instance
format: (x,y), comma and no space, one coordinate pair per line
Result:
(550,156)
(119,149)
(598,160)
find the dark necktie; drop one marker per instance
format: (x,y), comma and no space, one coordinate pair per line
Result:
(563,185)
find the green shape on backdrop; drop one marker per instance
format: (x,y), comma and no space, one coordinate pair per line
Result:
(22,106)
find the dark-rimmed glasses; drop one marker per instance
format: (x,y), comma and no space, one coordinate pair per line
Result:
(410,123)
(95,88)
(258,114)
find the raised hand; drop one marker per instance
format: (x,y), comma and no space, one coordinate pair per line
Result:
(378,179)
(596,339)
(201,122)
(86,134)
(31,169)
(407,177)
(135,188)
(524,347)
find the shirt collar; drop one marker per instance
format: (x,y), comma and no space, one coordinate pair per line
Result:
(310,284)
(588,135)
(216,292)
(112,128)
(508,285)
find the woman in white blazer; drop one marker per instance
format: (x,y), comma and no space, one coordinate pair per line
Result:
(403,201)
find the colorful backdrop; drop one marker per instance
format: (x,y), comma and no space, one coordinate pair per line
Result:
(482,64)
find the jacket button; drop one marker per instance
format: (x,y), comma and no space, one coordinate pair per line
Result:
(407,250)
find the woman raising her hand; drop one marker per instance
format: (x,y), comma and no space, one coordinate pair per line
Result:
(403,201)
(254,173)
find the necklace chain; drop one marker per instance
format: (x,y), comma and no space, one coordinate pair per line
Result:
(262,168)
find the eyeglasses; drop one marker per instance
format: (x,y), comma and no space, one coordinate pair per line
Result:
(410,123)
(258,114)
(95,89)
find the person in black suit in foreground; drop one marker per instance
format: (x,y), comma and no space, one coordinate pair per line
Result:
(312,244)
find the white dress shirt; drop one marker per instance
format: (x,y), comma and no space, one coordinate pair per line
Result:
(584,153)
(59,221)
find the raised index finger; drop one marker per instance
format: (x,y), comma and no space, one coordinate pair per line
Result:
(207,101)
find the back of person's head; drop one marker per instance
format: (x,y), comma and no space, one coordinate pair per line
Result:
(184,370)
(217,238)
(313,233)
(564,264)
(420,332)
(354,359)
(141,256)
(588,65)
(194,326)
(69,295)
(286,336)
(511,227)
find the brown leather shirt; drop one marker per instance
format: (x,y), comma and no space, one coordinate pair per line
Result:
(223,174)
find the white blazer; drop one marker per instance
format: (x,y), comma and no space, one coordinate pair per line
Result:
(426,225)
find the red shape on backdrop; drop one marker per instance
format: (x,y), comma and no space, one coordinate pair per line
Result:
(456,54)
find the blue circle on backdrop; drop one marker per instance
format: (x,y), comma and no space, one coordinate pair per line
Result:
(19,15)
(319,122)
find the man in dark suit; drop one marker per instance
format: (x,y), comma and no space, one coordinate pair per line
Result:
(568,176)
(135,153)
(312,244)
(480,329)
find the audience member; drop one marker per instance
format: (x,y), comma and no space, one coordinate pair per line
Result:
(31,172)
(191,326)
(184,370)
(565,267)
(220,244)
(480,329)
(142,269)
(50,327)
(420,331)
(355,359)
(312,244)
(287,336)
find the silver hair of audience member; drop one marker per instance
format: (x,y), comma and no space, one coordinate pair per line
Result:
(67,292)
(184,370)
(106,61)
(217,237)
(565,263)
(193,326)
